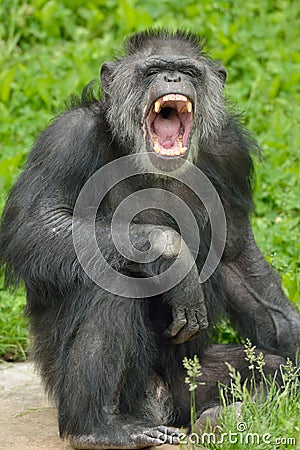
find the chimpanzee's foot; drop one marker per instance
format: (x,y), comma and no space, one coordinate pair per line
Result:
(129,436)
(211,416)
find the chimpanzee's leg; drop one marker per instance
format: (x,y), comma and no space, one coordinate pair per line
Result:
(214,371)
(257,304)
(113,344)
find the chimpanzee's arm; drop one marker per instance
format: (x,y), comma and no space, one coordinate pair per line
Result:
(44,257)
(256,302)
(39,213)
(36,230)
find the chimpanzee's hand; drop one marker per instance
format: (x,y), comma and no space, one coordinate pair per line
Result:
(186,298)
(187,323)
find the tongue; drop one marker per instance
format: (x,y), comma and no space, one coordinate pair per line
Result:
(167,129)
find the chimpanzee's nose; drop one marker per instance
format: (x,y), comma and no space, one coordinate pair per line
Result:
(175,77)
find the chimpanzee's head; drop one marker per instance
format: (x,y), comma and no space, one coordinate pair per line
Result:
(164,97)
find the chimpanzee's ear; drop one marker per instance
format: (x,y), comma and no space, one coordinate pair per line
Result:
(106,74)
(222,74)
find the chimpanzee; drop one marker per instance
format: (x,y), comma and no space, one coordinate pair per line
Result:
(112,359)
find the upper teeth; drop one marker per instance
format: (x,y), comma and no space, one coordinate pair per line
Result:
(174,97)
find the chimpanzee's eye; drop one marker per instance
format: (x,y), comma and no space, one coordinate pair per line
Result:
(190,71)
(152,71)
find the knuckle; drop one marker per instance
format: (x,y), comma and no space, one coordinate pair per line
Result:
(194,327)
(172,241)
(180,321)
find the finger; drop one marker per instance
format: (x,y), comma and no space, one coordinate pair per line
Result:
(170,431)
(190,331)
(179,321)
(202,320)
(173,329)
(181,337)
(164,434)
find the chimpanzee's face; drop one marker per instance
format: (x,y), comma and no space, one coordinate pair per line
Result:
(163,100)
(168,111)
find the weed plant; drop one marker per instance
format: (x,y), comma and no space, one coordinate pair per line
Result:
(269,417)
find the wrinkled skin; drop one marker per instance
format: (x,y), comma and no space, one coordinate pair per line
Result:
(114,364)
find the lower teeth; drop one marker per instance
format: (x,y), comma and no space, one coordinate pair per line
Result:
(180,150)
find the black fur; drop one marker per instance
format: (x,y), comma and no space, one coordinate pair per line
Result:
(103,357)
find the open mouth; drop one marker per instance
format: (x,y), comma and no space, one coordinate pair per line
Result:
(169,123)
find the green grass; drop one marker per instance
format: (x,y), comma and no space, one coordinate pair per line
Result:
(51,48)
(13,326)
(269,422)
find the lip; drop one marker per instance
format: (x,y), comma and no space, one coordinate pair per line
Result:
(168,123)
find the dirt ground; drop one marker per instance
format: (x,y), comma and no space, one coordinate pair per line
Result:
(27,419)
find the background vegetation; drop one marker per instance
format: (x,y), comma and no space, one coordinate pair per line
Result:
(51,48)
